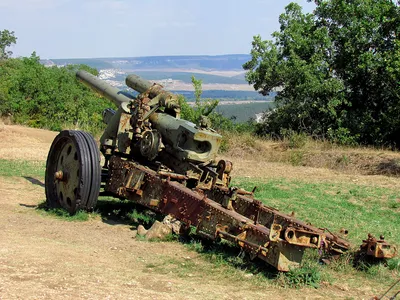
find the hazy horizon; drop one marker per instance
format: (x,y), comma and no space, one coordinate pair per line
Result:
(148,56)
(120,28)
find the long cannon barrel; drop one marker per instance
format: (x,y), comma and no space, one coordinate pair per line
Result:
(137,83)
(103,88)
(154,91)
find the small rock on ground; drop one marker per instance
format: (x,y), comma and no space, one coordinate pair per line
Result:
(173,223)
(141,230)
(158,231)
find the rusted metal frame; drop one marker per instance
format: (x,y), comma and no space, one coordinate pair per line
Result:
(303,234)
(209,217)
(172,175)
(378,248)
(269,216)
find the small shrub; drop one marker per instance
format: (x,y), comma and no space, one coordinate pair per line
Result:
(293,139)
(224,146)
(306,275)
(296,158)
(343,160)
(141,217)
(342,136)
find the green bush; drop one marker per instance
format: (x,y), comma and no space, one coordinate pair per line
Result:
(342,136)
(293,139)
(307,275)
(206,107)
(49,97)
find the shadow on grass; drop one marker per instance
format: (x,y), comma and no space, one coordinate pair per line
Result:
(110,210)
(223,253)
(390,168)
(34,181)
(59,212)
(126,212)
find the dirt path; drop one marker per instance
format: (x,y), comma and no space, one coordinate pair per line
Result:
(42,257)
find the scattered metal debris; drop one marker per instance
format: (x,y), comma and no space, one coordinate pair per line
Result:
(377,248)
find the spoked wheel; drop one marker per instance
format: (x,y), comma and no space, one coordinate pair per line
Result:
(73,173)
(150,144)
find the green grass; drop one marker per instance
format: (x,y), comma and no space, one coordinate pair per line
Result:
(22,168)
(60,213)
(360,209)
(309,274)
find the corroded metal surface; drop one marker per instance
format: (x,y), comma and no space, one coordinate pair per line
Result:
(157,160)
(144,186)
(377,248)
(285,227)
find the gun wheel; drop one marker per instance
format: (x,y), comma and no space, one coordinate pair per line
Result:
(73,173)
(150,144)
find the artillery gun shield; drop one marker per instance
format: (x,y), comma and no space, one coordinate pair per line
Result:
(73,173)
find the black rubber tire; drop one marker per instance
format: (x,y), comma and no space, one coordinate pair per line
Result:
(96,171)
(76,154)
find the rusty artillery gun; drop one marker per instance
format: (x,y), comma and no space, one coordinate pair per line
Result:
(167,164)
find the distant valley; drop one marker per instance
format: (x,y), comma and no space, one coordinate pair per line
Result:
(222,76)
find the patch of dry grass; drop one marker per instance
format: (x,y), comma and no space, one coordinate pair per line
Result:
(311,153)
(24,143)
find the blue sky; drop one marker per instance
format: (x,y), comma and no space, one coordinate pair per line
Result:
(121,28)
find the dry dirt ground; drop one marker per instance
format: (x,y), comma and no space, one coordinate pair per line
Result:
(42,257)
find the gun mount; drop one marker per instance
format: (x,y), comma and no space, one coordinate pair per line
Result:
(167,164)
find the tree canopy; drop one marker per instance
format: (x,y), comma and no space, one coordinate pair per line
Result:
(337,71)
(7,38)
(48,97)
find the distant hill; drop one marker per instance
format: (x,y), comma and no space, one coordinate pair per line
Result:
(231,62)
(222,76)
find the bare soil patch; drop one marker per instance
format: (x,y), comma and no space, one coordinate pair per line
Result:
(18,142)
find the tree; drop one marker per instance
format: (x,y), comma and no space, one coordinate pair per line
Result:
(49,97)
(7,39)
(338,70)
(202,107)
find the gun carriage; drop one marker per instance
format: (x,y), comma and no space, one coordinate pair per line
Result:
(167,164)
